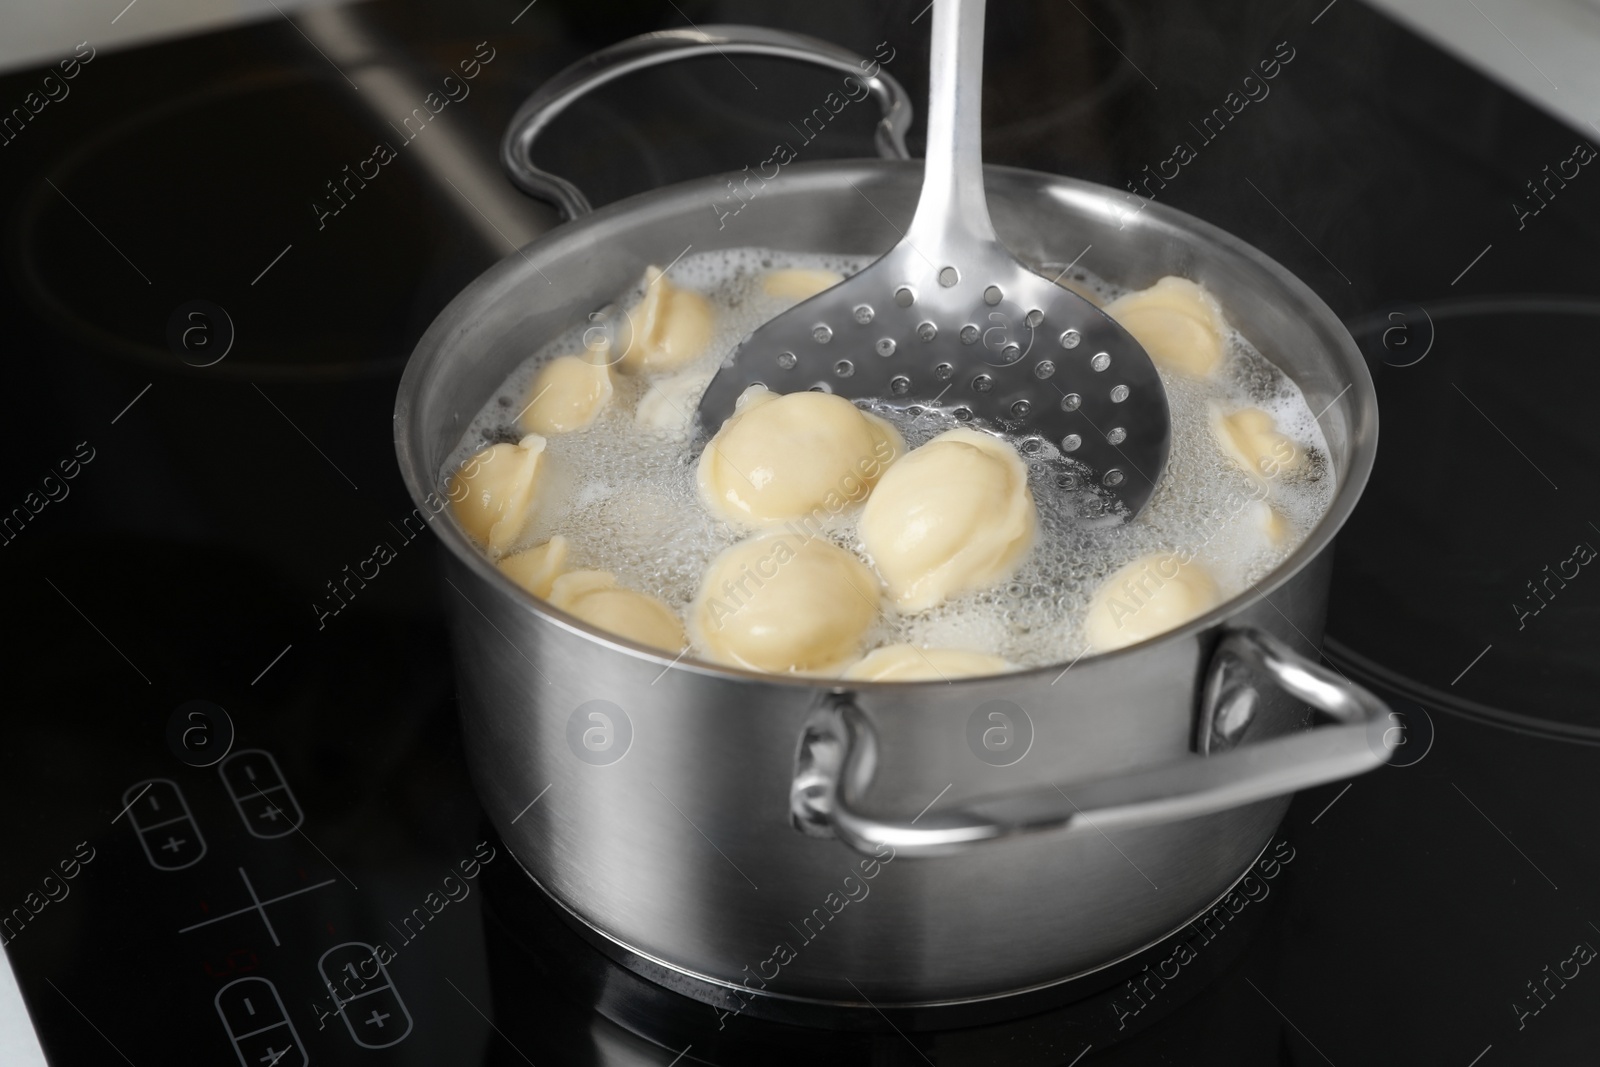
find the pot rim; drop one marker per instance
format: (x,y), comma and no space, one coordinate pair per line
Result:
(825,175)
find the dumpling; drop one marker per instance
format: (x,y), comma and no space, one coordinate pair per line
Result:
(597,599)
(908,663)
(668,407)
(667,328)
(536,569)
(1177,322)
(783,457)
(1151,595)
(799,284)
(785,603)
(1269,521)
(955,514)
(1250,436)
(567,393)
(493,492)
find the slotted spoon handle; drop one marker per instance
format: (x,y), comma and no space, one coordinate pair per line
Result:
(953,210)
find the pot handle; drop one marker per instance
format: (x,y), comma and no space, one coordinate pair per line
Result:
(838,757)
(665,46)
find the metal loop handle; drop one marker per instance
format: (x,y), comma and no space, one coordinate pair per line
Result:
(838,757)
(651,49)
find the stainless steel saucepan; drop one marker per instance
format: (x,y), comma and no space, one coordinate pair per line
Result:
(758,841)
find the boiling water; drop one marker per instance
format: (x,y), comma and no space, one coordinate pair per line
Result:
(626,499)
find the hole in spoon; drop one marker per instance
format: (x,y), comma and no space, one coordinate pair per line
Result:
(904,296)
(949,276)
(992,295)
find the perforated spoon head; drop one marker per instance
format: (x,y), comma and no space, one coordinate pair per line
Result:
(949,320)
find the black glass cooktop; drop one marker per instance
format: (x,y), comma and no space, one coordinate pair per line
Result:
(225,786)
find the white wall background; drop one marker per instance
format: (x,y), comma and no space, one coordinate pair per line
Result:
(37,32)
(1547,51)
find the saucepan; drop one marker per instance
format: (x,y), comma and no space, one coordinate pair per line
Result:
(759,841)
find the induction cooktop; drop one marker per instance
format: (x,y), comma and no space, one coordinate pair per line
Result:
(223,787)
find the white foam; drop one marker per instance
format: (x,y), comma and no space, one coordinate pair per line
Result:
(627,500)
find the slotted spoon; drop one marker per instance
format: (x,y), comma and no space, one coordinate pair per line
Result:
(951,320)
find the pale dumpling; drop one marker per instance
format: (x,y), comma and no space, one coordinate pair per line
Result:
(668,328)
(1177,322)
(493,492)
(1250,436)
(536,569)
(597,599)
(785,603)
(1269,522)
(908,663)
(955,514)
(568,393)
(1151,595)
(667,408)
(799,284)
(784,457)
